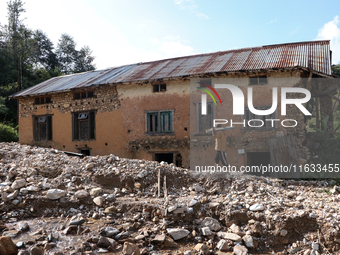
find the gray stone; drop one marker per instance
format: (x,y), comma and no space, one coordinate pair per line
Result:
(110,209)
(256,207)
(211,223)
(98,201)
(197,188)
(23,226)
(315,246)
(109,232)
(240,250)
(206,231)
(17,184)
(222,245)
(283,232)
(235,229)
(229,236)
(13,195)
(291,194)
(248,241)
(37,251)
(170,243)
(102,250)
(177,233)
(11,233)
(89,166)
(159,239)
(33,188)
(81,194)
(55,194)
(105,242)
(202,248)
(77,222)
(193,202)
(130,248)
(172,208)
(96,191)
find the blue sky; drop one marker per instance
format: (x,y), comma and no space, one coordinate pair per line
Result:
(131,31)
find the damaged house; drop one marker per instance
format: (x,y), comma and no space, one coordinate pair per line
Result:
(149,110)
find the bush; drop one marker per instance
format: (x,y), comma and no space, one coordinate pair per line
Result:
(8,133)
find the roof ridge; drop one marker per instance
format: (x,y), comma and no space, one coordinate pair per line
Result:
(236,50)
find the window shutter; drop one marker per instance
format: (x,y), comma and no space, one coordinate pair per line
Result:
(49,127)
(92,125)
(75,126)
(35,123)
(165,122)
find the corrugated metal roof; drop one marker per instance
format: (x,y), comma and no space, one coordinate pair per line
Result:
(314,55)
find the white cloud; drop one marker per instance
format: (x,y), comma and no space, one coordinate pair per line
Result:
(201,15)
(331,31)
(184,4)
(192,6)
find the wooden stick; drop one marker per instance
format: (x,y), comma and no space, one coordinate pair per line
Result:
(159,182)
(165,191)
(209,131)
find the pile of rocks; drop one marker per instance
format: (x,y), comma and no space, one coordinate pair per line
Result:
(53,203)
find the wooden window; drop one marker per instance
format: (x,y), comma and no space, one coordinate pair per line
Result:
(84,125)
(204,121)
(257,119)
(42,100)
(42,128)
(158,87)
(255,80)
(90,94)
(159,122)
(76,95)
(83,94)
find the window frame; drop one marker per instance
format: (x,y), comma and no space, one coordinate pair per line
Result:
(267,124)
(159,87)
(258,80)
(159,130)
(38,125)
(198,116)
(80,94)
(42,100)
(76,127)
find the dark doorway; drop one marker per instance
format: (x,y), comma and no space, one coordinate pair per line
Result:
(258,158)
(166,157)
(178,160)
(86,152)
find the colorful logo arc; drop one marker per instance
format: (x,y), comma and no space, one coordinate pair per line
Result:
(209,93)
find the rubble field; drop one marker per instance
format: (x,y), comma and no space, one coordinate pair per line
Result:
(54,203)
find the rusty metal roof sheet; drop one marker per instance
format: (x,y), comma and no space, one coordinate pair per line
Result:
(313,55)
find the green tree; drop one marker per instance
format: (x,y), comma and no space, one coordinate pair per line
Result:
(73,61)
(44,54)
(83,62)
(28,57)
(336,70)
(66,53)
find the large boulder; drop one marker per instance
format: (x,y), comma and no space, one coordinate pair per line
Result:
(7,247)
